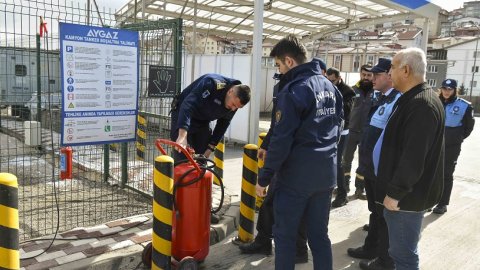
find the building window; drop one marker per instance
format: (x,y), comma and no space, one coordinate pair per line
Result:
(356,63)
(432,69)
(20,70)
(371,60)
(337,62)
(432,82)
(475,69)
(474,84)
(476,54)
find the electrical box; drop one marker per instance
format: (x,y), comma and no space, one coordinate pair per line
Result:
(33,134)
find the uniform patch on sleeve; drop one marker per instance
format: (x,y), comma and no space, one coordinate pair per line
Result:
(278,116)
(220,85)
(206,94)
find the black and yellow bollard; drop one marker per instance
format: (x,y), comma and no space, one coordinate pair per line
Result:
(9,254)
(141,137)
(162,213)
(247,199)
(261,137)
(218,159)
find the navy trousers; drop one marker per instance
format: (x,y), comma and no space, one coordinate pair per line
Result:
(289,206)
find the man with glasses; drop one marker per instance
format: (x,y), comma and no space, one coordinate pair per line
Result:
(348,94)
(459,122)
(408,157)
(375,247)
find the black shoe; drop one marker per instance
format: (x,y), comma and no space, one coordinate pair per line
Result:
(347,186)
(440,209)
(257,248)
(301,258)
(375,264)
(360,194)
(361,253)
(339,202)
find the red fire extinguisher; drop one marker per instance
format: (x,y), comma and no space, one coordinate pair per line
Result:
(193,199)
(66,160)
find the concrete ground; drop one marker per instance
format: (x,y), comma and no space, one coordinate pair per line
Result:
(449,241)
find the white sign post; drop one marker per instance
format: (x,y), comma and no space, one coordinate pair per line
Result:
(99,84)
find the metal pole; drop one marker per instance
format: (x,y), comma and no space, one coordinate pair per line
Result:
(474,68)
(254,113)
(106,162)
(39,83)
(194,41)
(124,163)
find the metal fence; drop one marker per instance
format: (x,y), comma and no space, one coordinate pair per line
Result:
(109,181)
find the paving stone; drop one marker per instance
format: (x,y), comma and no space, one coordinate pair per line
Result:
(140,239)
(96,251)
(42,265)
(103,242)
(75,249)
(50,256)
(71,258)
(117,223)
(72,233)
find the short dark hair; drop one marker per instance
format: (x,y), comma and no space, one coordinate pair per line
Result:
(333,70)
(243,93)
(366,67)
(290,46)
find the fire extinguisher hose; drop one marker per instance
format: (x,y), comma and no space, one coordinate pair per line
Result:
(203,164)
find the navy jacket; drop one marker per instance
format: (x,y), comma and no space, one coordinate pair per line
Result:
(303,147)
(459,120)
(203,101)
(412,153)
(381,110)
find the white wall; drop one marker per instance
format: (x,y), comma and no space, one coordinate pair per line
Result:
(462,58)
(238,67)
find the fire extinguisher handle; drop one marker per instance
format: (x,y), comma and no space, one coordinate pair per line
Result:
(186,152)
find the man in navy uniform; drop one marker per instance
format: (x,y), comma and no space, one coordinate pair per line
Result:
(210,97)
(375,248)
(348,95)
(263,240)
(302,155)
(459,122)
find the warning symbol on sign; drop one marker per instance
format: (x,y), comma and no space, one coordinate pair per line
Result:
(70,106)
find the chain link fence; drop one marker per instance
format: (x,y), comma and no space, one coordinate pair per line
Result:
(109,181)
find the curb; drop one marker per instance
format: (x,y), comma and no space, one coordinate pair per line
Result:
(131,257)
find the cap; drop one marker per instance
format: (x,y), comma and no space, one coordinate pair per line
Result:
(383,65)
(321,63)
(450,83)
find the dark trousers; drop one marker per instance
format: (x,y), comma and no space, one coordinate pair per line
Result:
(341,183)
(352,141)
(451,155)
(265,223)
(377,236)
(198,136)
(289,208)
